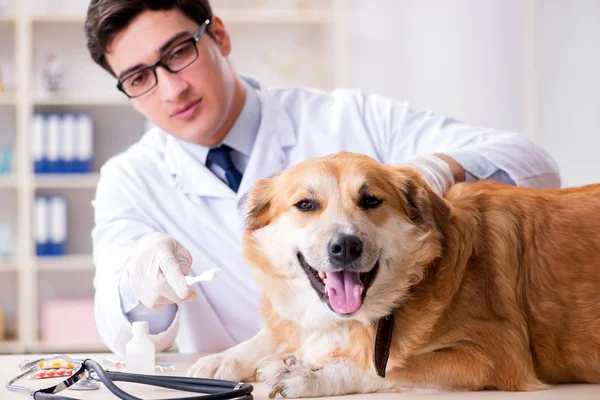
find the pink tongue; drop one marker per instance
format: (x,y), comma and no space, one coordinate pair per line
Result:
(344,289)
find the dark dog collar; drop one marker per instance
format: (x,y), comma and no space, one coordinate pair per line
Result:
(383,342)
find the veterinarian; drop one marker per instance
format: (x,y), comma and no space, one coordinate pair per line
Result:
(174,203)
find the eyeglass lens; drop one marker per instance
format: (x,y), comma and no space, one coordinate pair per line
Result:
(175,60)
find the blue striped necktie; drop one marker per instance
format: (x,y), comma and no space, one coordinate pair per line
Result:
(220,156)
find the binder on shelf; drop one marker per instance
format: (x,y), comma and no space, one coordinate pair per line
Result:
(42,229)
(50,225)
(62,143)
(85,143)
(58,225)
(53,145)
(69,145)
(38,125)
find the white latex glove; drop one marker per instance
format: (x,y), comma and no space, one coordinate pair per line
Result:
(435,171)
(156,270)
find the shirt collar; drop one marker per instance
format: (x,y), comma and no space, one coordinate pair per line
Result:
(274,134)
(243,133)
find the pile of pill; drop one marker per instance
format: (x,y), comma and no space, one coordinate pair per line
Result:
(53,364)
(53,369)
(52,373)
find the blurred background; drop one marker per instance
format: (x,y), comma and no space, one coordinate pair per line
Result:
(522,65)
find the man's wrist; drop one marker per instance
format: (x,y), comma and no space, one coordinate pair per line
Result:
(456,169)
(477,167)
(128,299)
(434,170)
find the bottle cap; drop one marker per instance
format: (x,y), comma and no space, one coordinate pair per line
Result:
(139,327)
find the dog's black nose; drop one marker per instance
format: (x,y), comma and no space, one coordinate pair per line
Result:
(343,249)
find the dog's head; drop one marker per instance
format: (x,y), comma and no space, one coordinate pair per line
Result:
(342,236)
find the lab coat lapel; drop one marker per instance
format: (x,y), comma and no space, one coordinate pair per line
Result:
(190,176)
(267,159)
(268,156)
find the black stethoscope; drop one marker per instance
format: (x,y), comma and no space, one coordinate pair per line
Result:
(213,389)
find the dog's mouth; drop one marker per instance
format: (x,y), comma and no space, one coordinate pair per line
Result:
(344,291)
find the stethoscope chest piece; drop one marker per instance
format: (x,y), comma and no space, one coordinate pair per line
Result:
(87,382)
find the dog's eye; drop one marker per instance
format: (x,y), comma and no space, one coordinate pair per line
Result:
(367,202)
(307,205)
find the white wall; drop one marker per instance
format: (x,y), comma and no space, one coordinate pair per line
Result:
(460,58)
(532,66)
(568,65)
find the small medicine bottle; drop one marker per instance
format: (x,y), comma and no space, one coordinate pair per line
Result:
(139,352)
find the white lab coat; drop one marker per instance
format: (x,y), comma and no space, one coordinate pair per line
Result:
(157,186)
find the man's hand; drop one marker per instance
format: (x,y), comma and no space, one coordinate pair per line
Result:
(439,170)
(156,270)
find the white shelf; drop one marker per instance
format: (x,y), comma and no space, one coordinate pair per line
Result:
(8,181)
(265,16)
(7,98)
(41,346)
(66,181)
(7,265)
(229,16)
(7,19)
(79,99)
(57,18)
(74,262)
(10,346)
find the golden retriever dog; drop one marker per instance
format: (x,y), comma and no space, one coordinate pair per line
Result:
(372,282)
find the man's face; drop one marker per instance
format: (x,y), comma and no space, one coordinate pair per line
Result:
(198,104)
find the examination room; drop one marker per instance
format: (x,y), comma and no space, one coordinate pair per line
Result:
(267,199)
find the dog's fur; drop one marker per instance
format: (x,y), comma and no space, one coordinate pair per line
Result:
(492,286)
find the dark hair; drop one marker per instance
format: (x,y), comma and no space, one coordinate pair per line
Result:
(106,18)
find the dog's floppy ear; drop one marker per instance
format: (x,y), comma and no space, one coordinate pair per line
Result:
(423,204)
(260,204)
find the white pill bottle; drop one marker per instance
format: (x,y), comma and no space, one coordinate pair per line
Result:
(139,352)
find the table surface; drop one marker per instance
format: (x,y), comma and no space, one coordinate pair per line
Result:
(9,369)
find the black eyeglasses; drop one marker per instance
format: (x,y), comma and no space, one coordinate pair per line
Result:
(179,57)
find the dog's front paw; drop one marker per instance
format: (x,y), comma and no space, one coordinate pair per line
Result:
(289,377)
(222,366)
